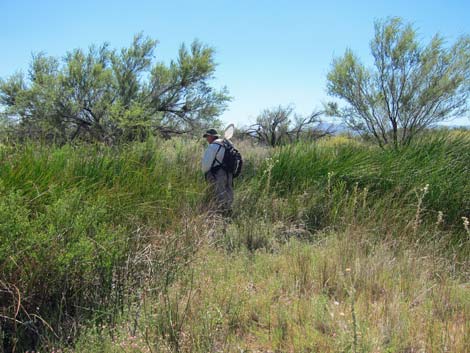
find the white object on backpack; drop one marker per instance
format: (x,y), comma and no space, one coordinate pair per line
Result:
(229,130)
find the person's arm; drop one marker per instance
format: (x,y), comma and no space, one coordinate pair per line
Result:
(208,157)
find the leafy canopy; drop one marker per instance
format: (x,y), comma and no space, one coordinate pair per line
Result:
(107,95)
(409,88)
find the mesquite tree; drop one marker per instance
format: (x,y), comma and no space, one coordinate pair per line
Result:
(409,88)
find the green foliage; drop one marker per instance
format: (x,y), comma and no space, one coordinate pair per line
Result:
(329,175)
(181,92)
(111,246)
(71,217)
(410,87)
(109,95)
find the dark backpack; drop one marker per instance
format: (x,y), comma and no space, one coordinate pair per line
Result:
(232,161)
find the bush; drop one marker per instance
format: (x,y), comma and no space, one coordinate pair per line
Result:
(69,224)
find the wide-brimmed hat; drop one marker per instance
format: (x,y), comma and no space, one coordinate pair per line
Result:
(211,132)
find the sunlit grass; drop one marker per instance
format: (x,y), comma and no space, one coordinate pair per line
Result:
(333,246)
(301,299)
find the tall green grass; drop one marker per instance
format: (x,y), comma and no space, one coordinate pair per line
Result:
(71,220)
(391,181)
(91,235)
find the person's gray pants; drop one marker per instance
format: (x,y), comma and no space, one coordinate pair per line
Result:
(221,189)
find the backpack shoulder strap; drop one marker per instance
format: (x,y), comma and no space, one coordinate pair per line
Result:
(216,153)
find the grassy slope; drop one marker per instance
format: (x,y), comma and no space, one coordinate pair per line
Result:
(320,232)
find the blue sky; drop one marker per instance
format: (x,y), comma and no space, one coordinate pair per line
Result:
(269,52)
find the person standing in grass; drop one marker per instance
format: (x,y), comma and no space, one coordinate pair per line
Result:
(219,178)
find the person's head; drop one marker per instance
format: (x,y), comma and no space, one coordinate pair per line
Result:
(211,135)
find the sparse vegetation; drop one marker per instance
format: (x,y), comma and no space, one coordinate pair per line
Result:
(279,126)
